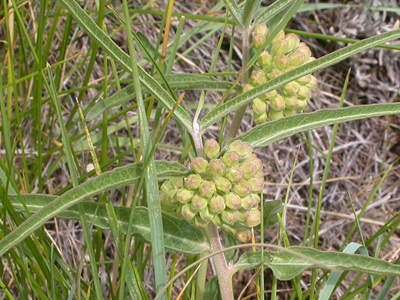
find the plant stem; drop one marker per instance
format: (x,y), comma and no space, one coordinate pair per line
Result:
(237,119)
(224,271)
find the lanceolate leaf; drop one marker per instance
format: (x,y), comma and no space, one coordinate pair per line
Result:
(321,63)
(263,135)
(110,180)
(176,81)
(179,236)
(112,49)
(287,265)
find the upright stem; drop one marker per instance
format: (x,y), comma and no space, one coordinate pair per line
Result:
(237,119)
(224,272)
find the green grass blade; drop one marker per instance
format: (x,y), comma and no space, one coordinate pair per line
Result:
(263,135)
(311,67)
(272,10)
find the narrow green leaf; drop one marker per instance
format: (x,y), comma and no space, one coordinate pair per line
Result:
(323,62)
(235,12)
(112,49)
(250,8)
(295,260)
(263,135)
(148,47)
(176,81)
(116,178)
(271,209)
(180,236)
(272,10)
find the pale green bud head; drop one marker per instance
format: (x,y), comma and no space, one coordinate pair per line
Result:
(293,41)
(248,169)
(184,195)
(256,199)
(243,235)
(279,36)
(229,216)
(257,78)
(260,118)
(268,69)
(217,204)
(211,148)
(166,187)
(258,41)
(275,115)
(278,103)
(301,105)
(206,214)
(289,112)
(198,202)
(199,222)
(231,158)
(279,47)
(187,212)
(270,95)
(313,83)
(247,202)
(281,62)
(242,188)
(234,174)
(193,181)
(303,48)
(260,29)
(274,74)
(207,189)
(264,59)
(177,183)
(199,165)
(233,201)
(223,185)
(248,87)
(217,221)
(216,167)
(242,216)
(304,80)
(256,184)
(256,161)
(291,102)
(166,205)
(242,148)
(291,88)
(171,196)
(259,106)
(254,218)
(304,93)
(297,58)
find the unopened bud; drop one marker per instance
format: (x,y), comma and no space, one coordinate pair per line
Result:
(313,83)
(223,185)
(264,59)
(248,87)
(301,105)
(253,219)
(177,183)
(242,148)
(303,48)
(260,118)
(279,47)
(199,165)
(291,102)
(233,201)
(257,78)
(184,195)
(217,220)
(291,88)
(258,41)
(242,216)
(166,205)
(297,58)
(279,36)
(304,93)
(207,189)
(166,187)
(234,174)
(229,216)
(256,199)
(231,158)
(270,95)
(259,106)
(193,181)
(256,184)
(217,204)
(216,167)
(278,103)
(206,214)
(199,222)
(275,115)
(243,235)
(289,112)
(198,203)
(247,202)
(293,41)
(304,80)
(255,161)
(260,29)
(281,62)
(274,74)
(248,169)
(242,188)
(211,148)
(187,212)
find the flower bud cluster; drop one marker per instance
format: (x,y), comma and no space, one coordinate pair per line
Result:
(223,190)
(285,53)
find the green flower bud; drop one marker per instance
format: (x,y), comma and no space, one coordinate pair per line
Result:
(289,112)
(242,216)
(184,195)
(207,189)
(177,183)
(291,88)
(248,87)
(291,102)
(193,181)
(198,203)
(301,105)
(234,174)
(166,187)
(166,205)
(258,41)
(211,148)
(279,47)
(293,41)
(242,188)
(304,80)
(313,83)
(268,69)
(303,48)
(260,29)
(229,216)
(281,62)
(171,196)
(257,78)
(260,119)
(217,220)
(242,148)
(243,235)
(256,199)
(248,169)
(297,58)
(223,185)
(199,222)
(256,184)
(199,165)
(217,204)
(233,201)
(274,74)
(264,59)
(254,218)
(216,167)
(231,158)
(278,103)
(259,106)
(187,212)
(206,214)
(279,36)
(304,93)
(275,115)
(247,202)
(270,95)
(255,161)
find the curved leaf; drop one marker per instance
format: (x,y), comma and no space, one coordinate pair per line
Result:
(110,180)
(287,265)
(112,49)
(265,134)
(179,235)
(176,81)
(323,62)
